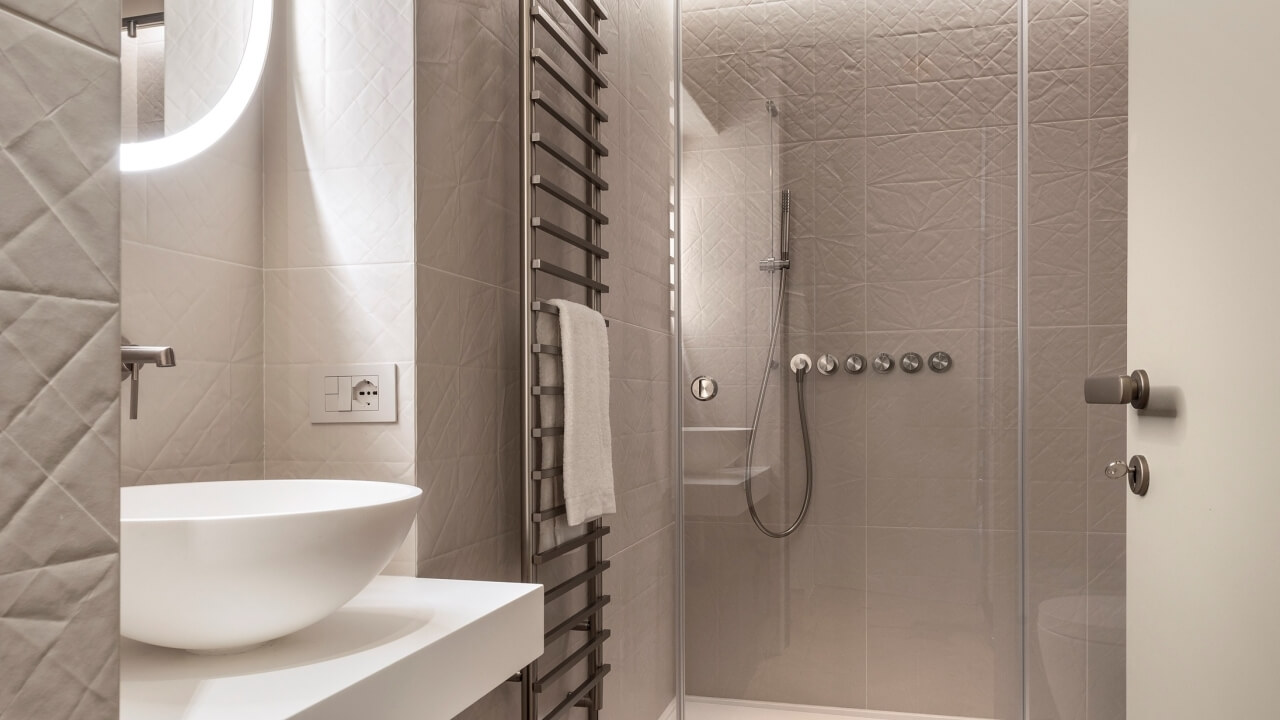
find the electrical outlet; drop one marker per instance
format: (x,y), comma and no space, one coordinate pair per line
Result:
(353,393)
(364,393)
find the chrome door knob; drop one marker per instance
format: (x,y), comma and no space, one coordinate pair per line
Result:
(912,362)
(882,363)
(827,364)
(704,388)
(1132,390)
(855,364)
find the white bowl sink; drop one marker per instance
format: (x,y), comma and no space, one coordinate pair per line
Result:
(223,566)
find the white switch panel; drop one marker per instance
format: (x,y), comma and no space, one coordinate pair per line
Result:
(353,393)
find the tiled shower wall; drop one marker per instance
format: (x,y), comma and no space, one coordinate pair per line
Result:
(641,167)
(897,126)
(1076,327)
(59,334)
(469,316)
(192,277)
(339,223)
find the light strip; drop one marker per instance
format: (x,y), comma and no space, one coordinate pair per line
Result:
(184,145)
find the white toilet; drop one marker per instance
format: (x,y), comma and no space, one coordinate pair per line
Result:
(1070,628)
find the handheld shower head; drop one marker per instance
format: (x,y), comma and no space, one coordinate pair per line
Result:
(784,248)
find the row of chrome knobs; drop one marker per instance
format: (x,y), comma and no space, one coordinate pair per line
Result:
(884,363)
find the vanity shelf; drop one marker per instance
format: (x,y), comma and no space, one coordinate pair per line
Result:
(414,649)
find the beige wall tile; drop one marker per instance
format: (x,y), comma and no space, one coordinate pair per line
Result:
(59,432)
(351,314)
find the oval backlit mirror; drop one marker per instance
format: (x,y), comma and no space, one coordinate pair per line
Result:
(189,69)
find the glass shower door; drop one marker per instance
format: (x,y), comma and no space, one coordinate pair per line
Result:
(895,137)
(956,179)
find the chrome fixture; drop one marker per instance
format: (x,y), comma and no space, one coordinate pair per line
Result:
(704,388)
(940,362)
(783,260)
(132,358)
(827,364)
(882,363)
(131,24)
(1132,390)
(800,365)
(911,363)
(855,364)
(560,118)
(1136,471)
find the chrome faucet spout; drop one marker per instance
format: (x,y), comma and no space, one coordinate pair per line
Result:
(158,355)
(132,358)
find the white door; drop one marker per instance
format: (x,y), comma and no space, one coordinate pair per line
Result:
(1204,321)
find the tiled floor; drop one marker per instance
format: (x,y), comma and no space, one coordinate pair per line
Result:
(716,709)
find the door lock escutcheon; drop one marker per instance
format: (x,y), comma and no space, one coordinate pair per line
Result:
(1136,471)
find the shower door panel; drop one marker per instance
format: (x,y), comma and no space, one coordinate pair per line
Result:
(1204,633)
(894,129)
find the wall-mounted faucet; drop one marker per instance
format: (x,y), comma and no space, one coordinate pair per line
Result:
(132,358)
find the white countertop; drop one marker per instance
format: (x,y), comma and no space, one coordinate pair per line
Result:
(403,648)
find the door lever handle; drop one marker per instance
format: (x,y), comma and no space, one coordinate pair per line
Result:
(1132,389)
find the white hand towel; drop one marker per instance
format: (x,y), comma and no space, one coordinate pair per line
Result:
(551,414)
(588,438)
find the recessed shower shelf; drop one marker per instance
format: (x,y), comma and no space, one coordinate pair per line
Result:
(725,477)
(719,493)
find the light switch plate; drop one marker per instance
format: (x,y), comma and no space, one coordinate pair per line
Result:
(353,393)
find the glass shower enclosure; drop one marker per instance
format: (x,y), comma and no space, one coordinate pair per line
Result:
(951,263)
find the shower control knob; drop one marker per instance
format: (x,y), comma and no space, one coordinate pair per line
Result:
(882,363)
(940,362)
(704,388)
(911,362)
(855,364)
(800,363)
(827,364)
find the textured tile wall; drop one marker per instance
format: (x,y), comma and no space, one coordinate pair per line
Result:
(469,315)
(641,139)
(192,244)
(467,278)
(339,277)
(59,333)
(1077,327)
(897,135)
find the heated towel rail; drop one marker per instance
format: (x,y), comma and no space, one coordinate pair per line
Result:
(561,255)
